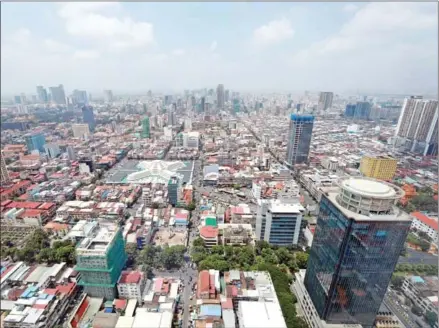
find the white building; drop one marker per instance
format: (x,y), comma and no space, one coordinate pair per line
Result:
(191,140)
(278,223)
(131,285)
(426,224)
(81,131)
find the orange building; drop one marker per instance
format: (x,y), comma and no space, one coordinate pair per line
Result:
(410,192)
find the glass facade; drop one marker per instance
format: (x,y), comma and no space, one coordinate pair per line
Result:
(36,142)
(89,117)
(299,138)
(282,230)
(351,263)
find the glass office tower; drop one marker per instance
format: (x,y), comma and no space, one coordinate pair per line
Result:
(356,246)
(89,117)
(299,138)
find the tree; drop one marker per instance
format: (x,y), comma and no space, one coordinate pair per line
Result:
(397,281)
(302,259)
(46,255)
(283,255)
(191,206)
(198,242)
(416,310)
(431,318)
(65,254)
(425,245)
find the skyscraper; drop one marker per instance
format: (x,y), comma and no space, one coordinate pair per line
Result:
(108,94)
(220,96)
(236,106)
(362,110)
(227,96)
(4,175)
(71,153)
(203,104)
(89,117)
(357,243)
(42,94)
(58,95)
(417,128)
(299,138)
(80,97)
(35,141)
(325,100)
(146,128)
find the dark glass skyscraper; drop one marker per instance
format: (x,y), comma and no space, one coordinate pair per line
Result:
(89,117)
(356,246)
(299,138)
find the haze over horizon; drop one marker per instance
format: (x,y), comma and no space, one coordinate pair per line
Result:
(128,47)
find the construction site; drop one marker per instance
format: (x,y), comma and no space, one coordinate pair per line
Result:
(170,236)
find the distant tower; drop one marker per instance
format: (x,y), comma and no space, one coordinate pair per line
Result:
(220,96)
(299,138)
(89,117)
(325,100)
(146,128)
(71,153)
(108,95)
(42,94)
(35,141)
(3,170)
(58,95)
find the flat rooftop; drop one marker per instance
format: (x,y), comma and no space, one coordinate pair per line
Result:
(260,315)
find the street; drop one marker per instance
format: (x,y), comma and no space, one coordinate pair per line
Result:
(416,257)
(403,314)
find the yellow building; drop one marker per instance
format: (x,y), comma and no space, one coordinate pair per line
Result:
(380,167)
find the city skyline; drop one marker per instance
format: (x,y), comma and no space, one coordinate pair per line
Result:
(392,46)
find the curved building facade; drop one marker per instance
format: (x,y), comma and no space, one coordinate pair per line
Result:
(357,243)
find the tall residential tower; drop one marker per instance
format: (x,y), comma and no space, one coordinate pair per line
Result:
(299,138)
(325,100)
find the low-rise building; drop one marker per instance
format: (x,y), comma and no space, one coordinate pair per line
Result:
(423,292)
(131,285)
(424,223)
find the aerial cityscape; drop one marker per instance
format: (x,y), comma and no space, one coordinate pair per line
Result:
(157,171)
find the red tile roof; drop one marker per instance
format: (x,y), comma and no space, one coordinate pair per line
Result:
(426,220)
(208,232)
(130,277)
(120,304)
(203,281)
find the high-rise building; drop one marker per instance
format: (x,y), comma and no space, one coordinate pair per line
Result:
(80,97)
(203,104)
(417,128)
(278,223)
(220,96)
(17,100)
(167,100)
(108,94)
(52,150)
(325,100)
(174,188)
(146,128)
(379,167)
(362,110)
(227,96)
(356,245)
(4,175)
(89,117)
(236,106)
(42,94)
(58,95)
(35,141)
(299,138)
(100,259)
(350,110)
(80,130)
(71,153)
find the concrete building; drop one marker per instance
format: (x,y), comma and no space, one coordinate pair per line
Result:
(52,150)
(379,167)
(131,285)
(81,131)
(71,153)
(4,175)
(58,95)
(299,138)
(356,245)
(423,222)
(191,140)
(108,95)
(278,223)
(417,128)
(42,94)
(325,100)
(89,117)
(423,292)
(100,260)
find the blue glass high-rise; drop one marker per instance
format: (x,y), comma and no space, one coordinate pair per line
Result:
(89,117)
(35,141)
(356,246)
(299,138)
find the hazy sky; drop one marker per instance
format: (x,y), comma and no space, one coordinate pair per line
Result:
(387,47)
